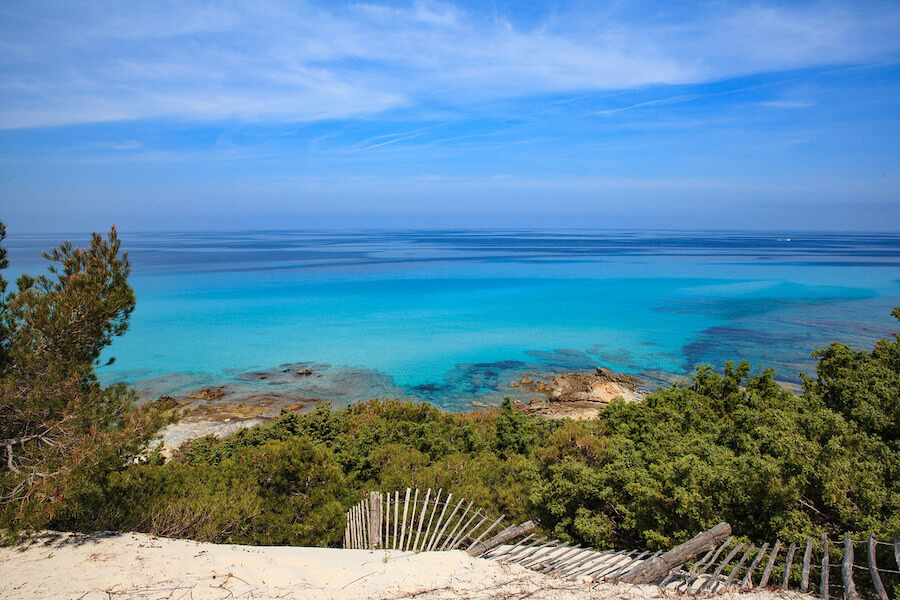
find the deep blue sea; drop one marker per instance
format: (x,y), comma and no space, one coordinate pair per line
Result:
(452,316)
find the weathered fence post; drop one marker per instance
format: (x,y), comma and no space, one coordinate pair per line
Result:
(873,570)
(847,570)
(823,582)
(374,520)
(768,570)
(661,565)
(804,575)
(787,566)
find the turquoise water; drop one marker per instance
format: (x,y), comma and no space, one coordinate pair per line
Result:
(453,316)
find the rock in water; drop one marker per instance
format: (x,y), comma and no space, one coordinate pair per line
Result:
(208,393)
(582,395)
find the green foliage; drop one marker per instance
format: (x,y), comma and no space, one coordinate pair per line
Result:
(731,446)
(514,434)
(59,428)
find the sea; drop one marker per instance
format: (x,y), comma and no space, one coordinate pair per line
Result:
(456,316)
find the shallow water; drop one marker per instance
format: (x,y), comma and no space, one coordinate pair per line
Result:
(452,316)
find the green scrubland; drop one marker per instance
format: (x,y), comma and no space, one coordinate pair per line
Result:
(730,445)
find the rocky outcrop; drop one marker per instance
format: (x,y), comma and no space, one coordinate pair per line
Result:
(581,395)
(208,393)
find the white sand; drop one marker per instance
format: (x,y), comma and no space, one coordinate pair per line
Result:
(133,565)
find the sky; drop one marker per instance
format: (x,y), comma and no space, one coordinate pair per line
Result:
(270,114)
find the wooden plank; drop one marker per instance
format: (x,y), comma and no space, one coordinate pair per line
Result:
(510,533)
(551,564)
(694,568)
(449,520)
(747,581)
(464,530)
(452,535)
(396,516)
(530,551)
(502,553)
(626,568)
(897,551)
(715,576)
(689,582)
(542,553)
(360,527)
(850,592)
(542,559)
(437,526)
(823,581)
(356,540)
(785,579)
(421,519)
(768,570)
(604,566)
(738,566)
(579,563)
(364,522)
(352,520)
(660,566)
(437,501)
(633,561)
(623,559)
(804,575)
(563,559)
(471,533)
(403,520)
(387,522)
(873,570)
(484,533)
(412,519)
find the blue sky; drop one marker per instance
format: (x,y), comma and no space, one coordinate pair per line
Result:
(269,114)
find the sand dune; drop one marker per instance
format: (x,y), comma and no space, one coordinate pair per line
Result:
(132,565)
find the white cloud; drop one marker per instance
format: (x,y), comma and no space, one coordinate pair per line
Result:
(66,63)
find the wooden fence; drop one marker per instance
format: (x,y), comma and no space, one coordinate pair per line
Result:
(422,521)
(830,569)
(413,520)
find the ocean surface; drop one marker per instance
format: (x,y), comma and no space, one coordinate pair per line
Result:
(455,316)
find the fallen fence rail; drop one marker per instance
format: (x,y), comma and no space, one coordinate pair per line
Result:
(417,521)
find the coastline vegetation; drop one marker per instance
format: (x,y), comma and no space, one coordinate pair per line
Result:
(730,445)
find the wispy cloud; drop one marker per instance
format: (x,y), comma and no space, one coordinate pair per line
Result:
(67,63)
(785,104)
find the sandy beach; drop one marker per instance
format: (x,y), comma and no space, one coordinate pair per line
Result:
(133,565)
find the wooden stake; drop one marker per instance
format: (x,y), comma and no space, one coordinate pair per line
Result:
(787,566)
(768,570)
(850,592)
(738,566)
(446,524)
(823,582)
(483,534)
(437,501)
(452,535)
(719,569)
(804,575)
(747,581)
(873,570)
(396,515)
(405,514)
(412,519)
(465,530)
(437,526)
(415,545)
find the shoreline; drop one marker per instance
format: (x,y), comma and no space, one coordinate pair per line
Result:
(257,397)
